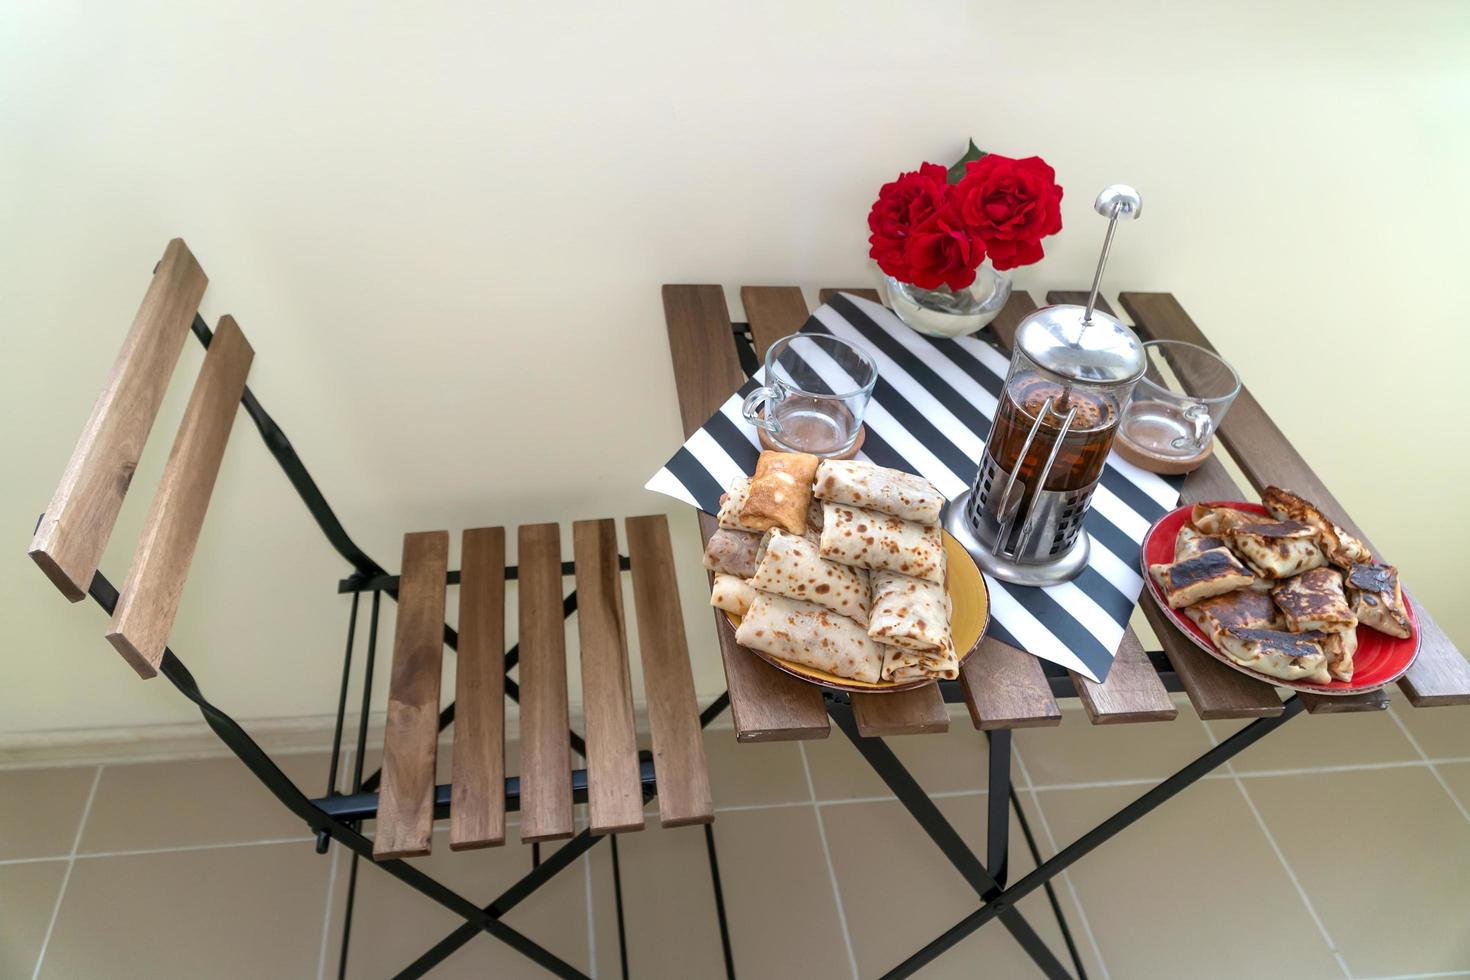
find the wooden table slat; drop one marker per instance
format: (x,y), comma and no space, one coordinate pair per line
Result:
(827,293)
(73,533)
(1159,317)
(765,703)
(546,765)
(773,312)
(150,596)
(668,683)
(411,738)
(1007,688)
(921,711)
(614,790)
(477,795)
(1214,689)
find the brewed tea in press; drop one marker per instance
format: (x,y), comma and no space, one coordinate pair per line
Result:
(1071,374)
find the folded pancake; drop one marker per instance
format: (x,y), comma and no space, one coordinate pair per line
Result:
(1290,656)
(1191,542)
(1242,609)
(732,552)
(888,491)
(903,664)
(730,504)
(790,565)
(1277,549)
(1378,599)
(1340,648)
(779,492)
(734,595)
(1210,573)
(1218,520)
(1340,547)
(909,612)
(1314,601)
(807,633)
(868,539)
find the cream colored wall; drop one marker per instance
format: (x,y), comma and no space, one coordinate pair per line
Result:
(444,227)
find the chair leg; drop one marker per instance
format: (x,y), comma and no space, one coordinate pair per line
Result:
(347,919)
(714,876)
(618,899)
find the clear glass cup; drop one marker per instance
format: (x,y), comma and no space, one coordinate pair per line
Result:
(816,389)
(1177,423)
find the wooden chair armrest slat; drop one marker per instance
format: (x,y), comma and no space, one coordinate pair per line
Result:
(72,535)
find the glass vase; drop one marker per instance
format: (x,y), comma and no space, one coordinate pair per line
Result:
(944,312)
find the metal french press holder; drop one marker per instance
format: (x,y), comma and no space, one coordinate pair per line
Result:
(1071,374)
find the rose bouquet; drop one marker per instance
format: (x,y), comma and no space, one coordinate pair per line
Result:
(932,228)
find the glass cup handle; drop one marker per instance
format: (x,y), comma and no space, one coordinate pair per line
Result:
(753,401)
(1200,416)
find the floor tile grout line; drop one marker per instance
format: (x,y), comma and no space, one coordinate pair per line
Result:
(1433,769)
(1066,876)
(831,868)
(1281,858)
(66,876)
(321,956)
(346,758)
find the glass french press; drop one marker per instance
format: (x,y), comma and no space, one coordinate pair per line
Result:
(1070,378)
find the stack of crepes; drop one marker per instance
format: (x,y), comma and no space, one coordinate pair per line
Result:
(838,565)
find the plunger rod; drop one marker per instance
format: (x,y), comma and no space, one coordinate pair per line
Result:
(1102,261)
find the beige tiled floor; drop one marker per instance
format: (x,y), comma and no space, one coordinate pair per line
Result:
(1339,847)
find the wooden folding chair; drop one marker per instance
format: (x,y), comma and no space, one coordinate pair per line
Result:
(616,781)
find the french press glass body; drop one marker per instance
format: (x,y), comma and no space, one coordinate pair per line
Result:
(1071,374)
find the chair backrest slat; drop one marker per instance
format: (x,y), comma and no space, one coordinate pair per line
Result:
(668,683)
(411,740)
(149,600)
(546,760)
(614,791)
(477,810)
(72,535)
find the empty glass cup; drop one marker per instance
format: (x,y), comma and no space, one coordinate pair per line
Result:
(1167,427)
(816,389)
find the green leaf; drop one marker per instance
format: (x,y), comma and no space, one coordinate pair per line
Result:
(957,172)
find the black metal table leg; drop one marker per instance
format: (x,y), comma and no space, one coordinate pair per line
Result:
(1051,894)
(949,841)
(998,811)
(1082,846)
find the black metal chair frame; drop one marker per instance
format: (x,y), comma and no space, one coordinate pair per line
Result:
(339,816)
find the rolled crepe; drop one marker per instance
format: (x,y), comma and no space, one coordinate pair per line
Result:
(900,664)
(807,633)
(868,539)
(732,552)
(731,503)
(792,566)
(734,595)
(779,492)
(888,491)
(910,613)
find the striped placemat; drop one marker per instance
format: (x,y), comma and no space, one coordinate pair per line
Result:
(931,414)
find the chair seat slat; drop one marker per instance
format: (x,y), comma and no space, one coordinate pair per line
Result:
(150,597)
(546,762)
(411,739)
(668,683)
(614,790)
(72,535)
(477,817)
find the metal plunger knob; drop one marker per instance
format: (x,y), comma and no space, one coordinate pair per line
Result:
(1116,201)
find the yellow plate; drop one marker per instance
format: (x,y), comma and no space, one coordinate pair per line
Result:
(967,594)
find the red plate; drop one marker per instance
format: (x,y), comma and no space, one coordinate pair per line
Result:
(1381,659)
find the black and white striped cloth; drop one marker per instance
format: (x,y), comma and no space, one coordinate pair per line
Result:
(931,414)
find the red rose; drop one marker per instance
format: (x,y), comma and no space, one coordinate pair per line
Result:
(941,251)
(903,205)
(1011,205)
